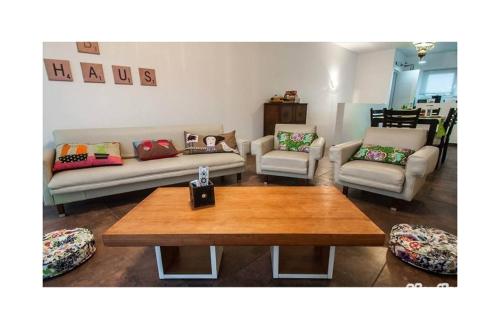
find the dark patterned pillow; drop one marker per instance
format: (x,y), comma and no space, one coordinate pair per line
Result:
(196,143)
(155,149)
(294,141)
(387,154)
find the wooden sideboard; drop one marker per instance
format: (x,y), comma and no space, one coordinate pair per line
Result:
(283,113)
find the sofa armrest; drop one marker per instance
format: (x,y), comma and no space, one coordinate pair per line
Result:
(317,148)
(422,162)
(243,147)
(262,145)
(341,153)
(48,163)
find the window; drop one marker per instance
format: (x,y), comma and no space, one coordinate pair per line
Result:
(439,82)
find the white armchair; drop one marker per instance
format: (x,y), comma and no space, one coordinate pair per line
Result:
(383,178)
(270,160)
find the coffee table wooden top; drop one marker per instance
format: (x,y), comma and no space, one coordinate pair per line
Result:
(253,215)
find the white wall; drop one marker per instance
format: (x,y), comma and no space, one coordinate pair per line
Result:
(374,77)
(355,119)
(199,82)
(435,61)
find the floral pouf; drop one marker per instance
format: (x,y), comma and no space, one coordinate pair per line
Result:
(427,248)
(63,250)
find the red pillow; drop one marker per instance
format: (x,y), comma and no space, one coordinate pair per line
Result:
(155,149)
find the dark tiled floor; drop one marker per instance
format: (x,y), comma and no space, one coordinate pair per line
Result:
(435,205)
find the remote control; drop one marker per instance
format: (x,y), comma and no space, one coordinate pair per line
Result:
(203,175)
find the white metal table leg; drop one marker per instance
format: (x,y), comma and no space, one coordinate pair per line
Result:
(215,260)
(275,260)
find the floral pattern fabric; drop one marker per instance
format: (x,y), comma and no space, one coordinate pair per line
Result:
(427,248)
(294,141)
(64,250)
(387,154)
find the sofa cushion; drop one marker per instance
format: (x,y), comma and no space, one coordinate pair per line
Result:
(220,143)
(134,170)
(126,136)
(427,248)
(155,149)
(284,161)
(295,142)
(408,138)
(383,176)
(74,156)
(379,153)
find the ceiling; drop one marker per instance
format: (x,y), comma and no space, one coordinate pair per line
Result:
(406,48)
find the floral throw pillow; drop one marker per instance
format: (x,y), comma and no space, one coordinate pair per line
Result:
(387,154)
(296,142)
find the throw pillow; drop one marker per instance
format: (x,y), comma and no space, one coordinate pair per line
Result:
(296,142)
(155,149)
(73,156)
(196,143)
(387,154)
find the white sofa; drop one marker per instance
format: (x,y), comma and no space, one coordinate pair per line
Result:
(81,184)
(384,178)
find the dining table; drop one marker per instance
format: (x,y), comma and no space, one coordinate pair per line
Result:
(435,122)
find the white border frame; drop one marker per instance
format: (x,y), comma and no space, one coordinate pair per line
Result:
(215,260)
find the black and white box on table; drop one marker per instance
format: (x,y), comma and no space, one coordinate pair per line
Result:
(201,190)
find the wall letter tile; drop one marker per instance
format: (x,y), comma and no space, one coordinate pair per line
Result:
(58,70)
(92,72)
(122,75)
(88,47)
(148,77)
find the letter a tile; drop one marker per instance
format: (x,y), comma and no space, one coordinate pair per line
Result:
(92,72)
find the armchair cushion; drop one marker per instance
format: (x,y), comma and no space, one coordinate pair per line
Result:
(379,153)
(295,141)
(284,161)
(294,128)
(383,176)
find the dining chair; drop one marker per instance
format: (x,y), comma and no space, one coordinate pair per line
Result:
(449,123)
(401,118)
(435,111)
(375,113)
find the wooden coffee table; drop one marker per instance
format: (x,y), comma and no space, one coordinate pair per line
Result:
(310,219)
